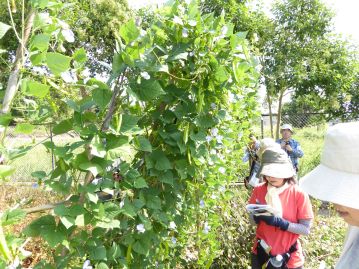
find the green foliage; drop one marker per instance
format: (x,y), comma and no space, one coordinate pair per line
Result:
(181,95)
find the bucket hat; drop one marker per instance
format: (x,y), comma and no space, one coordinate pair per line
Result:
(336,178)
(275,163)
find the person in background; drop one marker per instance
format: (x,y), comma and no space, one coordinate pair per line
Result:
(253,159)
(290,146)
(276,241)
(336,180)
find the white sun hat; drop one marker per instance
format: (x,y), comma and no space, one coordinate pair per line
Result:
(287,127)
(336,179)
(276,163)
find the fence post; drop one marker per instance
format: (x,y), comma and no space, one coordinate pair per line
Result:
(262,127)
(52,151)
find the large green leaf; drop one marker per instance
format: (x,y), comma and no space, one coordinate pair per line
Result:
(57,62)
(101,97)
(142,143)
(6,170)
(62,127)
(46,228)
(140,183)
(80,57)
(160,161)
(5,119)
(12,216)
(129,32)
(129,122)
(97,147)
(146,90)
(94,168)
(3,29)
(40,42)
(36,89)
(24,128)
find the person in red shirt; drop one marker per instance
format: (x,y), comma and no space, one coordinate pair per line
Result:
(276,242)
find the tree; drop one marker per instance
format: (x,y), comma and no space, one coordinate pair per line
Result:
(298,26)
(89,24)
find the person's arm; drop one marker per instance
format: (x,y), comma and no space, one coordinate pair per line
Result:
(302,227)
(297,150)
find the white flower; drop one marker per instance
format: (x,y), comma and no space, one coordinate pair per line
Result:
(173,225)
(219,139)
(181,8)
(206,228)
(192,23)
(173,240)
(209,138)
(213,152)
(15,264)
(214,131)
(140,228)
(214,197)
(201,203)
(210,162)
(122,203)
(230,80)
(86,72)
(68,35)
(224,30)
(177,20)
(67,77)
(222,189)
(87,265)
(222,170)
(145,75)
(191,53)
(184,32)
(142,32)
(213,106)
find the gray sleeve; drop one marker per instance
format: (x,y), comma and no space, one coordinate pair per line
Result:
(302,227)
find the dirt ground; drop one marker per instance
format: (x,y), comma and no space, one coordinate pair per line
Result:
(26,196)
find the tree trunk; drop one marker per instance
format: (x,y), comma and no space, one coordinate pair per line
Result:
(13,81)
(279,115)
(269,101)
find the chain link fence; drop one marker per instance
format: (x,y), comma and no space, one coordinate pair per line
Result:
(299,121)
(38,158)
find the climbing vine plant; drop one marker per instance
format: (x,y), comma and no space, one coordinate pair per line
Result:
(170,122)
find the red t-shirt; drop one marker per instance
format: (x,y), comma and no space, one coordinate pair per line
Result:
(296,206)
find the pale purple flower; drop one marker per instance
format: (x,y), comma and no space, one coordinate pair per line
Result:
(184,32)
(214,131)
(87,265)
(206,228)
(201,203)
(173,240)
(219,139)
(145,75)
(177,20)
(209,138)
(173,225)
(68,35)
(213,106)
(222,170)
(140,228)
